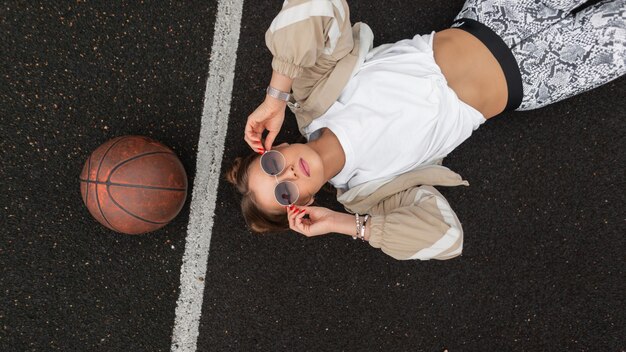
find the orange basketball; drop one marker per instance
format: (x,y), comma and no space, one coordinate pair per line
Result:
(133,184)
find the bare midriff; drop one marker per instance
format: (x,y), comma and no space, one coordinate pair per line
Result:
(471,71)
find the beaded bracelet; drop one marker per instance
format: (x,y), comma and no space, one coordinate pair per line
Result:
(356,215)
(363,227)
(360,227)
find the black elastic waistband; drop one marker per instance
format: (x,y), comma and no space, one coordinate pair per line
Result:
(503,55)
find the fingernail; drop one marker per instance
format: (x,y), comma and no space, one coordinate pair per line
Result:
(302,211)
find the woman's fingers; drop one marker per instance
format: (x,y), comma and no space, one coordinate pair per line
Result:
(267,116)
(253,137)
(269,140)
(299,216)
(291,215)
(295,216)
(254,127)
(254,144)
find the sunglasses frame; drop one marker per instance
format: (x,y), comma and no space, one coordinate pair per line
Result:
(276,177)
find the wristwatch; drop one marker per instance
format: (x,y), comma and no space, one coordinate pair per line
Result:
(275,93)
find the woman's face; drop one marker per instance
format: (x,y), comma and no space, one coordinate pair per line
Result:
(303,167)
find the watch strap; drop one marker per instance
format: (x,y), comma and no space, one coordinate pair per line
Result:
(275,93)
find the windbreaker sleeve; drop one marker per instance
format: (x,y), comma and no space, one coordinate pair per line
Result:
(304,30)
(416,224)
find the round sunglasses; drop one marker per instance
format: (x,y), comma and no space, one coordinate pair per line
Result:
(285,192)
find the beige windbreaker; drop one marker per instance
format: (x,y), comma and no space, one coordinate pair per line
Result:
(410,219)
(314,43)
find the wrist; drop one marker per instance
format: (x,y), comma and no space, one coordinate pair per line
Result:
(273,104)
(344,224)
(280,82)
(278,94)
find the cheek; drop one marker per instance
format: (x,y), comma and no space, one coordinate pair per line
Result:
(309,188)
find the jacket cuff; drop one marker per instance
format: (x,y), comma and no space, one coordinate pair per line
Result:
(286,68)
(376,239)
(377,224)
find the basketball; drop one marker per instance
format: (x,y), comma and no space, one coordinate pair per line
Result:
(133,184)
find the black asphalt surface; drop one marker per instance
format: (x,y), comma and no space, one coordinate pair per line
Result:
(543,261)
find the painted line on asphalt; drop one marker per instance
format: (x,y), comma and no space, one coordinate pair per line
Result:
(215,113)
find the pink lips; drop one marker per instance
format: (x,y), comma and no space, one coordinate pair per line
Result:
(304,167)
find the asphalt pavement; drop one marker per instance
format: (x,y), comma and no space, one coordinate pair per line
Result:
(543,261)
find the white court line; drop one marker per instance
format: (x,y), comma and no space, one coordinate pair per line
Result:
(217,98)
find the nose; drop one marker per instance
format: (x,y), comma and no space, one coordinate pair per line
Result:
(288,174)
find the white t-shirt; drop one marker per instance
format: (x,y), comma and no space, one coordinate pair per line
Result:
(395,114)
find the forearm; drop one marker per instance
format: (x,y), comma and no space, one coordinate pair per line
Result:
(346,224)
(281,82)
(273,105)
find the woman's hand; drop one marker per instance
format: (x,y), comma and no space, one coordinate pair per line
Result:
(268,116)
(320,220)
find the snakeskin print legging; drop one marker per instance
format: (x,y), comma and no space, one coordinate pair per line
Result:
(559,53)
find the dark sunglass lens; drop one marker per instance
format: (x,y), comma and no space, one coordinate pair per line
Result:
(272,162)
(286,193)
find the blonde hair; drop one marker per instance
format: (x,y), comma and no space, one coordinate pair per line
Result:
(257,220)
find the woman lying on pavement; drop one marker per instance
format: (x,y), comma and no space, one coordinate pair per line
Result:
(378,121)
